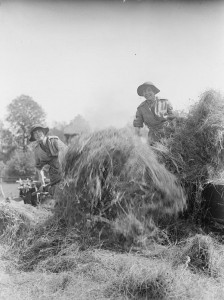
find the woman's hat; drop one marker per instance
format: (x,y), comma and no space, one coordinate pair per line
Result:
(141,88)
(37,126)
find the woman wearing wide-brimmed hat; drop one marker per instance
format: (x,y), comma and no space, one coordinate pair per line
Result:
(153,112)
(46,152)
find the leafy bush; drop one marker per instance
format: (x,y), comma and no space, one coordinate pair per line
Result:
(20,165)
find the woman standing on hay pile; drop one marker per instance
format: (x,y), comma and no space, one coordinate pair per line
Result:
(47,151)
(153,112)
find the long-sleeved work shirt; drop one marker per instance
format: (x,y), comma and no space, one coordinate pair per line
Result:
(149,115)
(48,154)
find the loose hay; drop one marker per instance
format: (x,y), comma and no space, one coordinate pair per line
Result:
(66,260)
(201,254)
(154,280)
(110,174)
(194,150)
(44,241)
(14,223)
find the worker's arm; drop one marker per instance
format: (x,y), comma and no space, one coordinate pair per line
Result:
(138,133)
(41,176)
(138,122)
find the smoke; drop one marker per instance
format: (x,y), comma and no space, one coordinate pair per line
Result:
(112,107)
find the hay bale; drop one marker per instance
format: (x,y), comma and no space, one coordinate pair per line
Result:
(111,173)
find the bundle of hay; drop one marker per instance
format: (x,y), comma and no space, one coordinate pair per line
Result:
(110,174)
(201,254)
(14,223)
(17,221)
(194,152)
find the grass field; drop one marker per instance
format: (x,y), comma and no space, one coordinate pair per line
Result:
(10,190)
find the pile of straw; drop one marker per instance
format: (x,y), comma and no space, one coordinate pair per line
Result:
(201,254)
(194,150)
(14,223)
(110,174)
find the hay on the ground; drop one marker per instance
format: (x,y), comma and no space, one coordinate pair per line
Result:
(154,280)
(201,254)
(14,222)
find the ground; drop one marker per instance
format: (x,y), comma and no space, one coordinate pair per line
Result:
(10,287)
(159,272)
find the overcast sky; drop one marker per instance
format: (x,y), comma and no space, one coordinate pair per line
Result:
(89,57)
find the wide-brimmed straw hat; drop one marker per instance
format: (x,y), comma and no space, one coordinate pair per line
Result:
(141,88)
(37,126)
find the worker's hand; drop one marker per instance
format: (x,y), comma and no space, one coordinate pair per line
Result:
(163,116)
(171,117)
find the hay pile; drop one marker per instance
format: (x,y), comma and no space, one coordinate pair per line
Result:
(111,175)
(201,254)
(17,222)
(14,223)
(194,150)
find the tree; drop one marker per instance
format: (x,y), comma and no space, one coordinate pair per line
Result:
(22,165)
(23,112)
(7,143)
(77,126)
(58,130)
